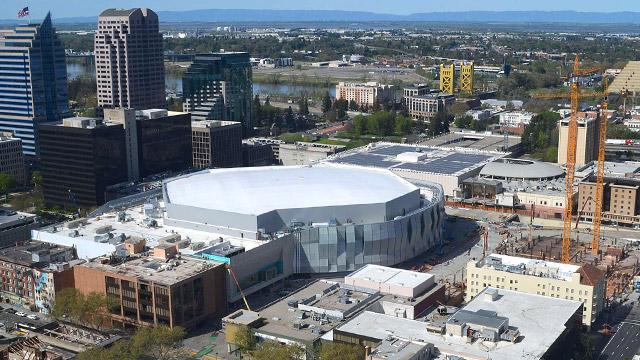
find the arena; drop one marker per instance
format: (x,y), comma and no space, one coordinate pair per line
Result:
(268,223)
(340,217)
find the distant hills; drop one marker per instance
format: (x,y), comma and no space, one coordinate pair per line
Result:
(252,15)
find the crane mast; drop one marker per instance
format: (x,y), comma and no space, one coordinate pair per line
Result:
(597,211)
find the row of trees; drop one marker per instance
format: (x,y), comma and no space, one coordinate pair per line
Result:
(267,115)
(382,123)
(147,343)
(272,350)
(540,137)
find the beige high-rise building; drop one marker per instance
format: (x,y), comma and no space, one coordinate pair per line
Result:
(584,283)
(128,56)
(587,144)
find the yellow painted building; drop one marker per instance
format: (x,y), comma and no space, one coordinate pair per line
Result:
(466,77)
(563,281)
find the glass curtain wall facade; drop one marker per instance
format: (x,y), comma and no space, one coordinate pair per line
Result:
(219,87)
(349,247)
(33,81)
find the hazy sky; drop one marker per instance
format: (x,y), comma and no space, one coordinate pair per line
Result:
(66,8)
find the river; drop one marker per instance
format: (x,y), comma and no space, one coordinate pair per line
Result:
(173,84)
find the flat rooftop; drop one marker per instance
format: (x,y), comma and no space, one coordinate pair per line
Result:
(531,266)
(540,319)
(10,219)
(391,276)
(260,190)
(472,140)
(84,234)
(280,317)
(157,270)
(433,160)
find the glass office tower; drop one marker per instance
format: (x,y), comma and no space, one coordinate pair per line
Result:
(33,81)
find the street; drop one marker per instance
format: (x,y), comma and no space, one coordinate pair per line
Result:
(625,342)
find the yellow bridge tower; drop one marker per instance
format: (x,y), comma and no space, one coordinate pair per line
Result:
(447,73)
(466,77)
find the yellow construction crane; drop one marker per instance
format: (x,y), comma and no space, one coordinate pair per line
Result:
(597,211)
(572,137)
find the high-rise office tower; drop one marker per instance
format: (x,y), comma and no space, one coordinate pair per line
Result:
(33,81)
(79,158)
(129,64)
(219,87)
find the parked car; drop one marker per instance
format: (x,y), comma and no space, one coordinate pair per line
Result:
(20,313)
(32,317)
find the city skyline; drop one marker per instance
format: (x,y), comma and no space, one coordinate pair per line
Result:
(74,8)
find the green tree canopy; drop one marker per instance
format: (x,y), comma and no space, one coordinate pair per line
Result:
(335,351)
(271,350)
(7,183)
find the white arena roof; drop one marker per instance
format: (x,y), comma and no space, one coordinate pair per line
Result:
(260,190)
(521,169)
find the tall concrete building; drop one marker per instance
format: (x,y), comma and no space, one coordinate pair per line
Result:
(587,144)
(129,64)
(216,144)
(33,81)
(219,87)
(156,140)
(79,158)
(12,158)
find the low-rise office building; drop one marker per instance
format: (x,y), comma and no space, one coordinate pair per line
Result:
(498,324)
(562,281)
(32,272)
(161,289)
(15,227)
(216,144)
(516,118)
(425,107)
(305,153)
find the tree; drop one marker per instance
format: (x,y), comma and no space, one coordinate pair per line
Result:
(88,310)
(353,106)
(256,108)
(463,122)
(148,343)
(7,183)
(158,343)
(333,351)
(174,104)
(360,125)
(541,132)
(244,339)
(403,125)
(271,350)
(36,179)
(439,124)
(289,119)
(341,106)
(326,103)
(303,106)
